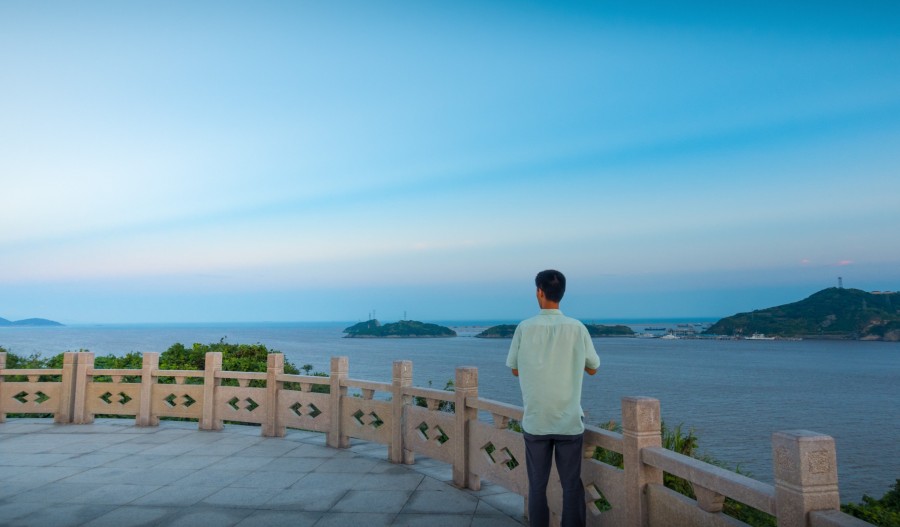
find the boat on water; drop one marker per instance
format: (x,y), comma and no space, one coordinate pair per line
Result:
(759,336)
(669,337)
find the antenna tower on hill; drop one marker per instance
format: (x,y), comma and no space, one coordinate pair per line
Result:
(840,283)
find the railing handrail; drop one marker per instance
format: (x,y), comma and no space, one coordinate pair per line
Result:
(31,371)
(496,407)
(747,490)
(429,393)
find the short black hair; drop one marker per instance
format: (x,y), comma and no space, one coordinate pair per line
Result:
(552,283)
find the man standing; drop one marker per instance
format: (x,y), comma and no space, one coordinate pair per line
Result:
(548,353)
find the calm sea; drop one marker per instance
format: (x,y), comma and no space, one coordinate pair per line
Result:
(734,394)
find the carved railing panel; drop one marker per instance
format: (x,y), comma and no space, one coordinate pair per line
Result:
(113,398)
(177,400)
(304,410)
(240,404)
(366,419)
(430,433)
(30,397)
(604,490)
(498,456)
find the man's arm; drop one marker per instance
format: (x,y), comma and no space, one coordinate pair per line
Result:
(516,372)
(590,371)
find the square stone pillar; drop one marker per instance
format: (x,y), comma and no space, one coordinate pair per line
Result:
(401,377)
(211,366)
(340,367)
(805,465)
(466,386)
(274,368)
(84,369)
(66,390)
(641,428)
(149,366)
(2,367)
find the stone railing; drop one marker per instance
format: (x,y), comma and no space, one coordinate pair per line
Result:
(452,427)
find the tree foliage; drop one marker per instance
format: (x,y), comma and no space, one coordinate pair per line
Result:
(884,512)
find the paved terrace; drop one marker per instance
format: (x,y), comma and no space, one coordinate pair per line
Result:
(114,473)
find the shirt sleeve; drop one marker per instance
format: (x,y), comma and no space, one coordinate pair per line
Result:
(591,359)
(512,359)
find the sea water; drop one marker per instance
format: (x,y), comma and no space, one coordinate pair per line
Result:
(733,394)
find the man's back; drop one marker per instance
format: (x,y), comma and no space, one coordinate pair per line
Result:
(550,352)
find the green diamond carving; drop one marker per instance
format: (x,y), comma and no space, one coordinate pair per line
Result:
(21,397)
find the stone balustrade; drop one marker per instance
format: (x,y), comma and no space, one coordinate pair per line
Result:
(459,428)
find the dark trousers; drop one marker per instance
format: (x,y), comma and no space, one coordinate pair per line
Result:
(539,453)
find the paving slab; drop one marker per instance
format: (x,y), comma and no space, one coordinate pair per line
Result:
(117,474)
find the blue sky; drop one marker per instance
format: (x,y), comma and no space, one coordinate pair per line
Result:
(281,161)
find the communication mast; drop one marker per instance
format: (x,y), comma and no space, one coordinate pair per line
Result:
(840,283)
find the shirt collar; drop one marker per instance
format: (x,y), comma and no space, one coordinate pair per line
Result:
(551,312)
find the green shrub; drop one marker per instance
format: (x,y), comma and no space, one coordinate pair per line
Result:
(884,512)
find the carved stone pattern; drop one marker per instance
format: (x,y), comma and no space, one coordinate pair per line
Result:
(500,455)
(311,410)
(39,397)
(782,457)
(647,418)
(819,462)
(371,419)
(433,433)
(468,378)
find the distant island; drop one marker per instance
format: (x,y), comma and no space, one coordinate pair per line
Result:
(833,313)
(28,322)
(598,330)
(403,329)
(505,331)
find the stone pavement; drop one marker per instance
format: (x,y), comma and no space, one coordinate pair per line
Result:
(112,473)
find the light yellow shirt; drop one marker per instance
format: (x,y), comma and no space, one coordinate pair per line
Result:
(551,351)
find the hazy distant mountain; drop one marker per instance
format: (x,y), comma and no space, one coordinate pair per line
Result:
(28,322)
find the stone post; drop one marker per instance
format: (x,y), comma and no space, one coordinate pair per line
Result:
(466,386)
(67,390)
(340,366)
(208,420)
(401,378)
(149,366)
(641,428)
(275,367)
(2,366)
(806,480)
(84,367)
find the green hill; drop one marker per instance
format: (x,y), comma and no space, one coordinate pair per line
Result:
(402,329)
(598,330)
(833,313)
(505,331)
